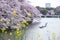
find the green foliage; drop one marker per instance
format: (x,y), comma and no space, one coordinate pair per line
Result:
(9,34)
(38,8)
(58,13)
(44,11)
(50,8)
(14,34)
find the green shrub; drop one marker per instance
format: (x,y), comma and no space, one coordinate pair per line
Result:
(44,11)
(58,13)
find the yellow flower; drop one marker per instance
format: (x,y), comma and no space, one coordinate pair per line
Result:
(14,12)
(3,29)
(7,23)
(27,27)
(10,33)
(53,34)
(17,24)
(17,32)
(24,21)
(5,32)
(24,25)
(0,19)
(9,39)
(38,34)
(58,37)
(27,24)
(17,29)
(29,15)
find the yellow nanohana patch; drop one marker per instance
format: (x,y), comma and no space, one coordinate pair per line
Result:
(17,29)
(24,21)
(17,32)
(17,24)
(29,15)
(3,29)
(38,34)
(10,33)
(9,39)
(27,24)
(7,23)
(5,32)
(14,12)
(58,37)
(0,19)
(53,34)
